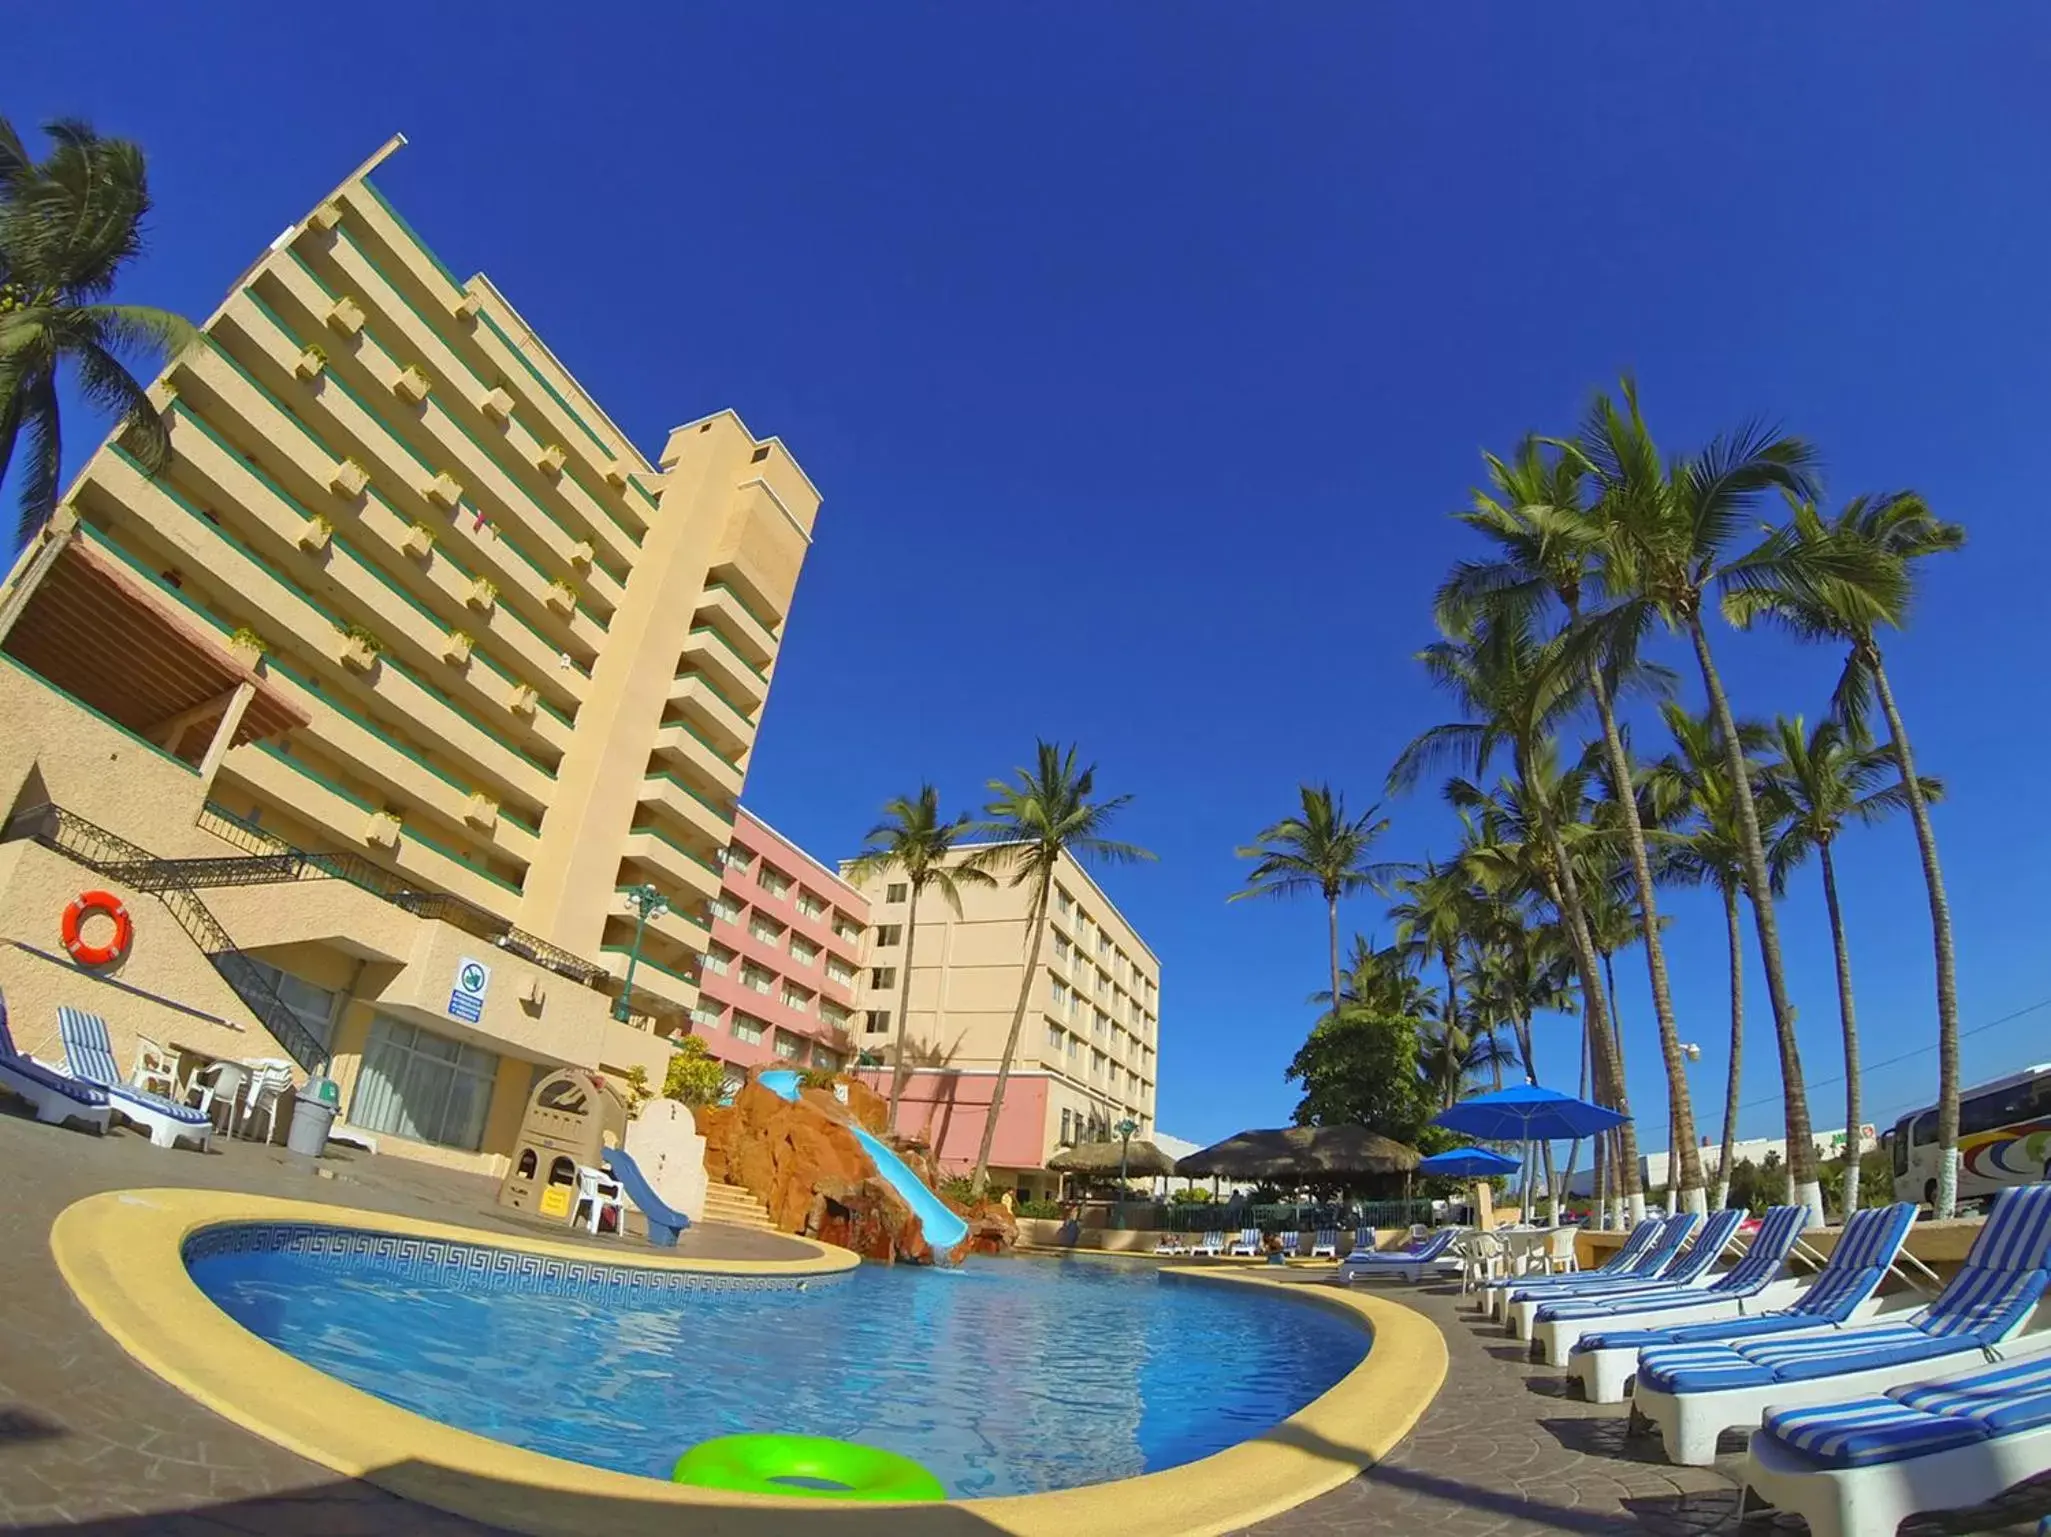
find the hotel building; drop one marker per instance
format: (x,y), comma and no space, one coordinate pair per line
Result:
(409,662)
(1087,1051)
(779,979)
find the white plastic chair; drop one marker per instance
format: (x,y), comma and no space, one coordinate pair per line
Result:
(218,1085)
(1483,1257)
(156,1068)
(267,1089)
(1560,1256)
(601,1192)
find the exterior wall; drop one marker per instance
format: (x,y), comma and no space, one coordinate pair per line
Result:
(805,1032)
(532,661)
(948,1111)
(966,972)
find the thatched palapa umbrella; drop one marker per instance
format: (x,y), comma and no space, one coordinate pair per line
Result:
(1141,1158)
(1300,1154)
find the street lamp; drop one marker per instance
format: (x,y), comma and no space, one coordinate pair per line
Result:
(1125,1129)
(647,903)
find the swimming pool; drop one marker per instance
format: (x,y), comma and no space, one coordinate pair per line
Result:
(1005,1377)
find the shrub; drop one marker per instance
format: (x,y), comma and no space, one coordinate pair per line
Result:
(1039,1209)
(818,1078)
(364,636)
(695,1076)
(957,1187)
(248,639)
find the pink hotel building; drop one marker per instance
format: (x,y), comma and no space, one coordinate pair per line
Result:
(780,975)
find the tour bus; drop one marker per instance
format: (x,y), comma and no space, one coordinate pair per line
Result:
(2004,1138)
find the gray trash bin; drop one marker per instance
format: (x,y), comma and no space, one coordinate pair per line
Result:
(312,1116)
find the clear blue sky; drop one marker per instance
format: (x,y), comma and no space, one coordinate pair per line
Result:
(1140,351)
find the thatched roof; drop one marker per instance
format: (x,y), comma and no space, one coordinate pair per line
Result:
(1301,1153)
(1141,1158)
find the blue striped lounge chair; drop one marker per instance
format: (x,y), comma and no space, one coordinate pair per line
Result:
(1694,1392)
(1212,1246)
(1493,1293)
(89,1054)
(1410,1264)
(1324,1243)
(1558,1326)
(1688,1269)
(1292,1243)
(1868,1463)
(1844,1292)
(55,1097)
(1651,1264)
(1248,1242)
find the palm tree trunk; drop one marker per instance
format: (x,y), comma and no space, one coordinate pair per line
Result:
(1734,929)
(904,1006)
(1574,1147)
(980,1180)
(1521,1026)
(1565,894)
(1616,1025)
(1680,1106)
(1800,1138)
(1332,915)
(1940,934)
(1851,1032)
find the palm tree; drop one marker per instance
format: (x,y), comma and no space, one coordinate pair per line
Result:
(67,225)
(1690,789)
(913,840)
(1842,581)
(1381,981)
(1826,778)
(1667,529)
(1547,548)
(1432,919)
(1046,812)
(1323,850)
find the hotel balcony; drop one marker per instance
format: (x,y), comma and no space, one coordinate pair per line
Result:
(690,807)
(684,748)
(698,700)
(723,607)
(711,655)
(679,867)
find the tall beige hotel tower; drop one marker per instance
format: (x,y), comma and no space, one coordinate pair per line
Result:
(412,630)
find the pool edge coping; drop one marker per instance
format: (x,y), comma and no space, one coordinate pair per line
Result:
(121,1252)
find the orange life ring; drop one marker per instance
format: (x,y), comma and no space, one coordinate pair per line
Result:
(74,918)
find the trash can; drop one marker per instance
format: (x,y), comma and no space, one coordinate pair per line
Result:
(313,1113)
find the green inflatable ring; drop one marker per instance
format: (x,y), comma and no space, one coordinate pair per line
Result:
(757,1464)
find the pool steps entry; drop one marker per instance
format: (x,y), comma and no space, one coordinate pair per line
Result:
(943,1226)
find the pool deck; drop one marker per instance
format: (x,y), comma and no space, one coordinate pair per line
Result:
(92,1441)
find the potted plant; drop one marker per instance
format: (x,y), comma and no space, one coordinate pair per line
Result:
(417,540)
(360,646)
(314,533)
(562,596)
(247,646)
(483,593)
(456,646)
(312,359)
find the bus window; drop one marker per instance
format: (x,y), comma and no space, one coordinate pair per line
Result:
(1899,1138)
(1924,1131)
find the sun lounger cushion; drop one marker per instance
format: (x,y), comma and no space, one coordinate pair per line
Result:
(1716,1329)
(1863,1431)
(2014,1395)
(71,1088)
(89,1051)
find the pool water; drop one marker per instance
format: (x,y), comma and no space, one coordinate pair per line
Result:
(1004,1377)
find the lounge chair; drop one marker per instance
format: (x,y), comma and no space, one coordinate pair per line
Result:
(1843,1292)
(1324,1243)
(1410,1265)
(56,1097)
(1493,1290)
(1653,1262)
(1292,1243)
(1172,1244)
(1212,1246)
(1558,1326)
(89,1054)
(1694,1392)
(1866,1464)
(1247,1243)
(1687,1270)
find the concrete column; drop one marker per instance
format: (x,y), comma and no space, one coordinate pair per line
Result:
(224,734)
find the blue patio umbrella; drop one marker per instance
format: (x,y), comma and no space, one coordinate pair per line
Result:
(1527,1113)
(1468,1163)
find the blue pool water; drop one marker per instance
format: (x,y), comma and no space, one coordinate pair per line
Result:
(1005,1377)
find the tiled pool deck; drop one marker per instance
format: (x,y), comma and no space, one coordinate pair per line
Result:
(90,1440)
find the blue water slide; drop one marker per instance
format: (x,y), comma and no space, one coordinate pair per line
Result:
(943,1226)
(664,1220)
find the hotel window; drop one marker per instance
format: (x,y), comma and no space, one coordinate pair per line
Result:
(839,969)
(773,880)
(1061,948)
(789,1046)
(313,1007)
(726,909)
(1067,1127)
(833,1014)
(830,1060)
(1064,904)
(1103,1024)
(797,998)
(847,928)
(1060,995)
(422,1086)
(717,958)
(763,929)
(1074,1045)
(876,1022)
(755,977)
(705,1015)
(896,891)
(736,858)
(810,905)
(1097,1061)
(883,976)
(1055,1036)
(802,950)
(1103,944)
(889,935)
(748,1029)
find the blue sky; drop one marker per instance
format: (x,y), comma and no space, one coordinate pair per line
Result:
(1140,352)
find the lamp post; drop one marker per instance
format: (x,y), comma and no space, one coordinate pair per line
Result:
(1125,1129)
(1690,1055)
(647,903)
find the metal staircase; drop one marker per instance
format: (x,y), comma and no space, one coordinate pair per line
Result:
(117,859)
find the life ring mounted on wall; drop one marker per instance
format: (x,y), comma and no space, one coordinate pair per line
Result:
(74,921)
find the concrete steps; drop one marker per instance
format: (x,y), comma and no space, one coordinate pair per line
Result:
(738,1207)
